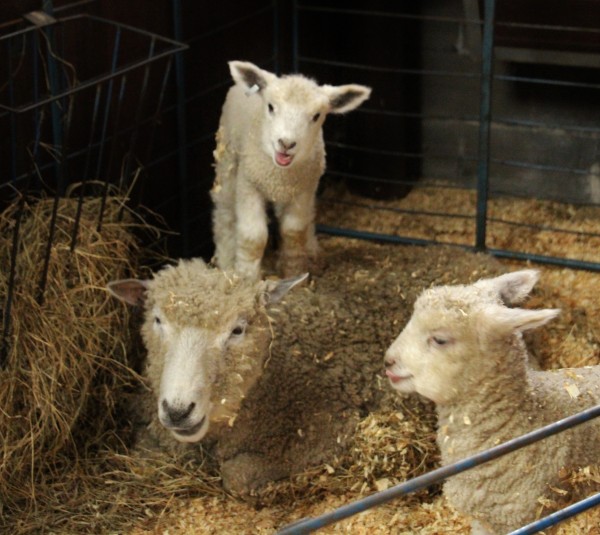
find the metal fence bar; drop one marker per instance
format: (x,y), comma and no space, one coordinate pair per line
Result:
(485,119)
(559,516)
(308,525)
(181,131)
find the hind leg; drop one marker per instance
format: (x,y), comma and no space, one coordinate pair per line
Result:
(223,215)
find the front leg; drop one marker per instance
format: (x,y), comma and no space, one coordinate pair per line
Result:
(297,229)
(251,231)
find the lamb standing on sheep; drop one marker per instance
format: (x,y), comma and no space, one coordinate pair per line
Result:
(270,150)
(463,349)
(207,334)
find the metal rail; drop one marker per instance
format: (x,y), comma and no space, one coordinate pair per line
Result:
(308,525)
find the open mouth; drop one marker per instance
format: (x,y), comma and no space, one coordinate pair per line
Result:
(396,378)
(282,159)
(190,431)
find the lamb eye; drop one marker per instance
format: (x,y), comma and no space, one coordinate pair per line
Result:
(238,330)
(316,117)
(157,320)
(270,108)
(438,340)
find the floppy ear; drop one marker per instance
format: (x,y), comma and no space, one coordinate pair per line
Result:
(512,288)
(249,75)
(273,291)
(345,98)
(130,291)
(504,320)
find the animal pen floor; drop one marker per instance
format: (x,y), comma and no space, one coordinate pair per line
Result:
(364,294)
(396,440)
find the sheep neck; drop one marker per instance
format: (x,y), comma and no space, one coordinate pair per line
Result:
(495,406)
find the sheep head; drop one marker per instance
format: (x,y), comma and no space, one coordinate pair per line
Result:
(294,109)
(207,334)
(459,335)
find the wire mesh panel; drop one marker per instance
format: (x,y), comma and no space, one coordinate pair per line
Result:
(79,104)
(73,98)
(405,166)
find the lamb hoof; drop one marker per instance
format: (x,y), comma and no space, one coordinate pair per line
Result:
(245,473)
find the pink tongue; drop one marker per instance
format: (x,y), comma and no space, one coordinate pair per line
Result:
(283,159)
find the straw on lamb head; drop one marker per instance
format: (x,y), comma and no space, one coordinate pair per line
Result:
(206,333)
(270,150)
(463,349)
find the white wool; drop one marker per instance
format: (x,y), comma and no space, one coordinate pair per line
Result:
(270,150)
(463,349)
(207,335)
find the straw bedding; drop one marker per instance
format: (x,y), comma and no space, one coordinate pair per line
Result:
(68,461)
(69,370)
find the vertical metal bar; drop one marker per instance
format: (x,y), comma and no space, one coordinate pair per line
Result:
(184,219)
(485,116)
(295,37)
(113,148)
(6,320)
(86,169)
(276,36)
(115,56)
(159,103)
(48,7)
(13,116)
(38,116)
(141,99)
(58,142)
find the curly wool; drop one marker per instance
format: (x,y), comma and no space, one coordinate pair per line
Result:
(464,349)
(193,294)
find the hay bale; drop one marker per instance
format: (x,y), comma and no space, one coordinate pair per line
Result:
(66,354)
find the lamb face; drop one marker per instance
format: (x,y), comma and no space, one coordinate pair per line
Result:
(207,334)
(428,357)
(294,110)
(442,351)
(450,345)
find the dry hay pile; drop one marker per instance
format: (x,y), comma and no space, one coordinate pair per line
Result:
(64,466)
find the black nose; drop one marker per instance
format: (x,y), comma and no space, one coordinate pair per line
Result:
(177,414)
(286,144)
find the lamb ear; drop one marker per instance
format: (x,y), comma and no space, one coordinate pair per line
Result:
(344,98)
(273,291)
(513,287)
(503,319)
(130,291)
(249,75)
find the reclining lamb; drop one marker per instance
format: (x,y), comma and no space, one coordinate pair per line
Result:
(241,373)
(270,150)
(463,349)
(314,352)
(207,335)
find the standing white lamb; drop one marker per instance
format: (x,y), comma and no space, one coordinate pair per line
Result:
(270,150)
(463,349)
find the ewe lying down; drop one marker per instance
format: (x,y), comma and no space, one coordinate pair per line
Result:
(315,358)
(270,150)
(463,349)
(229,367)
(207,335)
